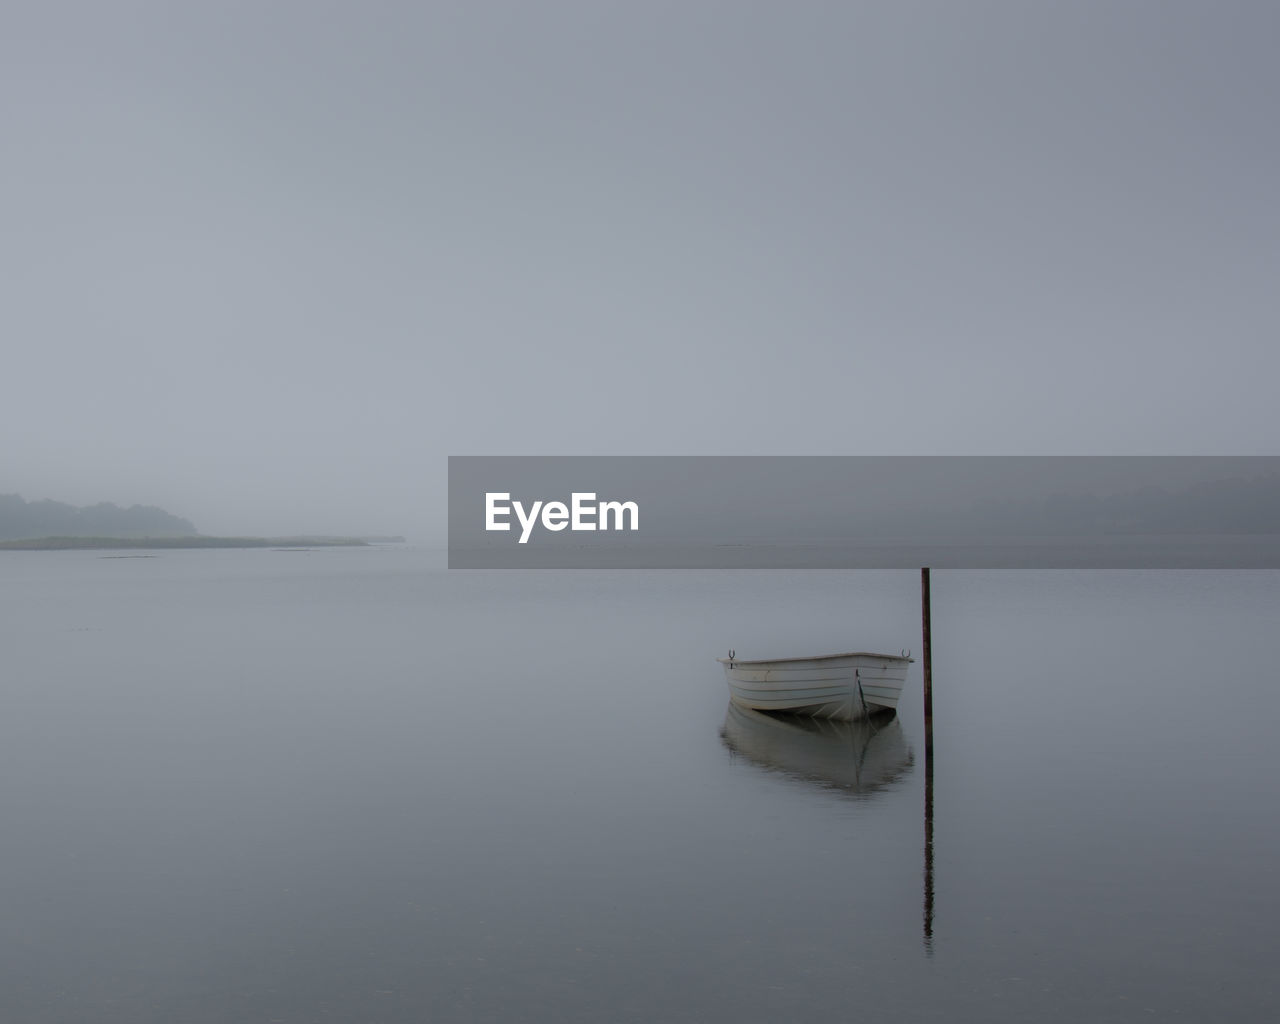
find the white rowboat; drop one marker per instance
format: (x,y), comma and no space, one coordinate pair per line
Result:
(845,687)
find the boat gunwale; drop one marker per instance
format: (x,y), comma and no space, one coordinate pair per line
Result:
(821,657)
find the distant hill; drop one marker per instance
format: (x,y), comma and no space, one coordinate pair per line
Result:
(20,520)
(178,543)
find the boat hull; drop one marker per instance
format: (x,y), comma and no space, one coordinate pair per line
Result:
(843,687)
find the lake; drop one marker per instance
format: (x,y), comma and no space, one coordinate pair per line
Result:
(349,785)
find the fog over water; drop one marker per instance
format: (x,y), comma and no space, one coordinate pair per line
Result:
(263,785)
(266,268)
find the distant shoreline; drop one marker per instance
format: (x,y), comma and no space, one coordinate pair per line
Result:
(175,543)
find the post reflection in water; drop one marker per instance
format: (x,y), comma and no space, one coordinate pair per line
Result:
(928,839)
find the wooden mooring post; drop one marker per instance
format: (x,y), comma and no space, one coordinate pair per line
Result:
(928,761)
(928,660)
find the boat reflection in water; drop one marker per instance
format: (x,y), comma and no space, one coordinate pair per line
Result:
(856,759)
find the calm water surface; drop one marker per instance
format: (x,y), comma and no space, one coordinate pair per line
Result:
(348,785)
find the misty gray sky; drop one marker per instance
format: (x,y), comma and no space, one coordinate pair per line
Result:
(266,265)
